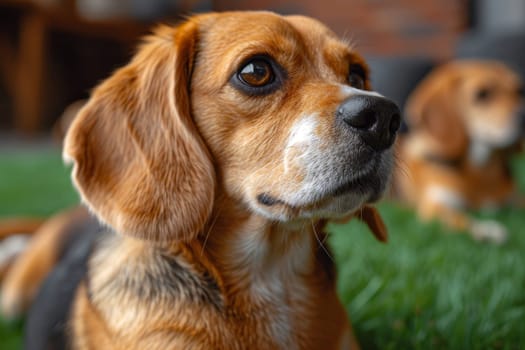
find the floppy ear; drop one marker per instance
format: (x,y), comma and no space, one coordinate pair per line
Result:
(433,108)
(371,217)
(139,162)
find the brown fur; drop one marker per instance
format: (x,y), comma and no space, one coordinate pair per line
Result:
(172,157)
(446,120)
(19,225)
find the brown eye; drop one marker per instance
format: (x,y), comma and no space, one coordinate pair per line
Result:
(257,73)
(356,77)
(258,76)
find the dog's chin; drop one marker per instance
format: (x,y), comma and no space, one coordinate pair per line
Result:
(327,203)
(328,194)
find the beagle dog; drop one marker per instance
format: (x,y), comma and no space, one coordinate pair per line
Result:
(213,160)
(466,120)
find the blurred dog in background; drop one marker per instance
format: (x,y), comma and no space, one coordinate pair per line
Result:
(466,121)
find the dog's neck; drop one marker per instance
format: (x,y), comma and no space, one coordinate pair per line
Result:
(257,258)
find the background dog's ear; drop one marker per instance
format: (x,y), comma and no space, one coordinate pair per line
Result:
(139,162)
(433,108)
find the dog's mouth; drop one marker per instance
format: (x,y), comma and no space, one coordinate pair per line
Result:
(363,184)
(365,187)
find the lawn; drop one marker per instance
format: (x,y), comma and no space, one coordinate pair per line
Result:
(35,184)
(425,289)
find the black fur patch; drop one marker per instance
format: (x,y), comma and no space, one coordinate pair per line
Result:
(200,288)
(46,324)
(157,277)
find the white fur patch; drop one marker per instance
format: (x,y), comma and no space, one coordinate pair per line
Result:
(445,196)
(272,277)
(493,135)
(479,152)
(304,150)
(302,135)
(347,91)
(12,246)
(489,230)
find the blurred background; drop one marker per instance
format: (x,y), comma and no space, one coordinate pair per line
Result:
(52,52)
(426,289)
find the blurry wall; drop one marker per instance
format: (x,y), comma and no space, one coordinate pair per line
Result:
(380,27)
(75,60)
(500,15)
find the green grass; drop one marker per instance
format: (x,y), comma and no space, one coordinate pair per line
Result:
(432,289)
(425,289)
(33,184)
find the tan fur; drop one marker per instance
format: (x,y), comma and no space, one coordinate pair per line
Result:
(173,157)
(446,122)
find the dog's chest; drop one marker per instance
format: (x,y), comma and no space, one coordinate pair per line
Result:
(171,302)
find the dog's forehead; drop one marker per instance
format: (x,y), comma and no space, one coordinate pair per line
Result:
(236,25)
(310,28)
(235,32)
(489,73)
(227,38)
(319,39)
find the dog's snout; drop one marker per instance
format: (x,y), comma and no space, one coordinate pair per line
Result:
(375,118)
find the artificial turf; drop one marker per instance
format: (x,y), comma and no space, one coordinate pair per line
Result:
(426,289)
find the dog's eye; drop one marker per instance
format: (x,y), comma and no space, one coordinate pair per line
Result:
(258,76)
(483,94)
(356,77)
(257,73)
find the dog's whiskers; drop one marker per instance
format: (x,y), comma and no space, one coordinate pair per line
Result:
(321,243)
(401,165)
(213,222)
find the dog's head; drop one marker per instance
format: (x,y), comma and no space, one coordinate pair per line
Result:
(467,102)
(272,112)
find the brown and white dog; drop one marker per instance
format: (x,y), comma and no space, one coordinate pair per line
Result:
(214,159)
(466,121)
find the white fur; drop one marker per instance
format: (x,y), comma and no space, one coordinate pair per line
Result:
(479,152)
(488,230)
(348,91)
(12,246)
(272,277)
(302,135)
(493,135)
(445,196)
(486,137)
(307,151)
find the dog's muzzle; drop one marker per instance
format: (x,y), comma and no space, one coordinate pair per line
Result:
(375,119)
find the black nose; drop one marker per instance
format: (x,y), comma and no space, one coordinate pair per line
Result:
(375,118)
